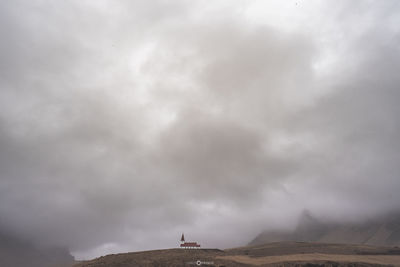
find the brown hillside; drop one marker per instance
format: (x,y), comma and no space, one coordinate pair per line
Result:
(275,254)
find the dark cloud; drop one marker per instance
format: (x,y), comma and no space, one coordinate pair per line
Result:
(123,124)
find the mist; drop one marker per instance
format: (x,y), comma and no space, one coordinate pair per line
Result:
(124,124)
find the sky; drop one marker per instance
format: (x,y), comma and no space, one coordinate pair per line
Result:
(125,123)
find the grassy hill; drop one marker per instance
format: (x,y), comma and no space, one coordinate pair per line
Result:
(288,254)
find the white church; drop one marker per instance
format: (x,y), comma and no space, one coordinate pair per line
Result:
(188,245)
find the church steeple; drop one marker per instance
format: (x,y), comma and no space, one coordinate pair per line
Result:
(183,238)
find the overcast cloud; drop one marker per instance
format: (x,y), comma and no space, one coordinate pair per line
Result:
(124,123)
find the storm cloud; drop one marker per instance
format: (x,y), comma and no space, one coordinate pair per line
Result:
(124,123)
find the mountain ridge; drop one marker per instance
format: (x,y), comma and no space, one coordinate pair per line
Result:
(384,231)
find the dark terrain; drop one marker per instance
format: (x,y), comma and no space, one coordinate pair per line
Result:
(15,252)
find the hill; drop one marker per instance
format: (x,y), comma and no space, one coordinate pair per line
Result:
(288,254)
(381,232)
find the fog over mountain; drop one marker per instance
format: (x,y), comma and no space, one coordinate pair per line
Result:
(125,123)
(378,231)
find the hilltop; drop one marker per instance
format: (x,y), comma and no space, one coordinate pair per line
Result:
(288,254)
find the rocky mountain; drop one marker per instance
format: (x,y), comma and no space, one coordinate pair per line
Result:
(383,231)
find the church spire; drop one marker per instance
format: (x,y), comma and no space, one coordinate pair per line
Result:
(183,238)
